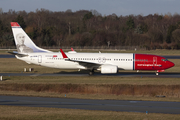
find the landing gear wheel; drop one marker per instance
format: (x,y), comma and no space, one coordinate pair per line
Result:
(157,73)
(91,72)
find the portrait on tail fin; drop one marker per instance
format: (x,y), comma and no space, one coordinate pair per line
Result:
(23,41)
(21,47)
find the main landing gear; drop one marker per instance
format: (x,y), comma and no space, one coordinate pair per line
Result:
(91,72)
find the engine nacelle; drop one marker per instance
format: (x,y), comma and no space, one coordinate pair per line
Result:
(109,69)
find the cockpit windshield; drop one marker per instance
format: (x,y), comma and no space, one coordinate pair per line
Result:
(164,59)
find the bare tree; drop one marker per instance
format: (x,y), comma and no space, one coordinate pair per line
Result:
(1,11)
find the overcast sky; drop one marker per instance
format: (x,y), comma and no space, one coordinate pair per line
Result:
(105,7)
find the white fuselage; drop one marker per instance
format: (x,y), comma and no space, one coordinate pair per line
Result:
(123,61)
(105,62)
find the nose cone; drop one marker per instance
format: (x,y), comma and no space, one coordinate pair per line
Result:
(170,64)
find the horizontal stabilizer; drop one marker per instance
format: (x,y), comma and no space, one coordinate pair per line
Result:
(18,54)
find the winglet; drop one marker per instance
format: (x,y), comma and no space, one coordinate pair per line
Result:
(63,54)
(72,49)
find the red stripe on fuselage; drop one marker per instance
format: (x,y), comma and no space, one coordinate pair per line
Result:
(149,62)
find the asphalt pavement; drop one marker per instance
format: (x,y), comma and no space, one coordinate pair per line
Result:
(120,74)
(88,104)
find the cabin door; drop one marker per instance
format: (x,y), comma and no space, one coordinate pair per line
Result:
(39,59)
(154,61)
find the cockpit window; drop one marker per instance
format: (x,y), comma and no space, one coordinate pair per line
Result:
(164,59)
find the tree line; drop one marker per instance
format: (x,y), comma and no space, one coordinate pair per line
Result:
(90,28)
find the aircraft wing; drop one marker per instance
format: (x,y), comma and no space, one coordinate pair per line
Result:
(18,54)
(88,65)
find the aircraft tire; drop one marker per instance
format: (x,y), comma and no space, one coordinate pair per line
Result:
(91,73)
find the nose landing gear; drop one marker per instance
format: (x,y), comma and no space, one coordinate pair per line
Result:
(157,73)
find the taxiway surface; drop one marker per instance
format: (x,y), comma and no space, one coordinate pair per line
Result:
(105,105)
(120,74)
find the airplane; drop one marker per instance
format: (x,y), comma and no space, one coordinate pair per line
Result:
(106,63)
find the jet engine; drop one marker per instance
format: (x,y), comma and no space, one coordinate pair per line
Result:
(109,69)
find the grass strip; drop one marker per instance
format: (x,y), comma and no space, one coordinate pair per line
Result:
(90,80)
(38,113)
(96,91)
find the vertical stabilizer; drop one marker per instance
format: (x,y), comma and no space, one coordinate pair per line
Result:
(23,43)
